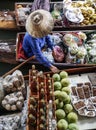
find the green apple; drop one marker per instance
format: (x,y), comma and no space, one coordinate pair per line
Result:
(62,124)
(68,108)
(72,117)
(63,96)
(63,74)
(56,77)
(57,93)
(65,82)
(57,85)
(73,126)
(59,104)
(67,100)
(66,89)
(60,114)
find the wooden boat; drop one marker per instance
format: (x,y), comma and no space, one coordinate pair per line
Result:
(62,24)
(21,57)
(9,54)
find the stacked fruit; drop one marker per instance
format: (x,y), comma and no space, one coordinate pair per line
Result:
(42,104)
(66,118)
(32,99)
(88,10)
(32,111)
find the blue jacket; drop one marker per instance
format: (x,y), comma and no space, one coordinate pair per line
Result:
(33,46)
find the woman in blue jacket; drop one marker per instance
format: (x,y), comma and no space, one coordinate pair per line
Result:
(38,26)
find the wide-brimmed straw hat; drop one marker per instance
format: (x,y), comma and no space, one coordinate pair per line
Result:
(39,23)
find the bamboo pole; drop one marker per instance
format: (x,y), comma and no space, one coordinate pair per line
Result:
(18,66)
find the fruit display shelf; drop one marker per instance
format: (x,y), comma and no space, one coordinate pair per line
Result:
(40,101)
(83,77)
(44,86)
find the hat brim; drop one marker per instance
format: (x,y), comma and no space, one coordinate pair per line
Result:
(42,29)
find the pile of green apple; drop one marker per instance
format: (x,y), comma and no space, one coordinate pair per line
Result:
(66,118)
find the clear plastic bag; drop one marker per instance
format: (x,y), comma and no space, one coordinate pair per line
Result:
(10,122)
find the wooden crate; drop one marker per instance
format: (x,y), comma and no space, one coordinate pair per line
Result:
(39,90)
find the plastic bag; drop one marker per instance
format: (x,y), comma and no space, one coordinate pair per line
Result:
(58,54)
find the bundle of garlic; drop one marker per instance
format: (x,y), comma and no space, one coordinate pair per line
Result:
(12,89)
(14,82)
(13,101)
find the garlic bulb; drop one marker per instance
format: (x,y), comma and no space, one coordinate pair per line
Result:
(14,82)
(13,101)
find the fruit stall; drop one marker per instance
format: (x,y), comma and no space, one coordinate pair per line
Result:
(40,99)
(66,100)
(46,101)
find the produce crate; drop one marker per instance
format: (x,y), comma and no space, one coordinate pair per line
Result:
(68,60)
(41,98)
(81,75)
(88,23)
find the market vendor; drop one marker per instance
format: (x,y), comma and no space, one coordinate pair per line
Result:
(38,25)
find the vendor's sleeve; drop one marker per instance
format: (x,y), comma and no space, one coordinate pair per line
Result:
(39,55)
(49,42)
(26,47)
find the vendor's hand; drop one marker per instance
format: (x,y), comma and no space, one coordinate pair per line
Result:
(53,52)
(54,69)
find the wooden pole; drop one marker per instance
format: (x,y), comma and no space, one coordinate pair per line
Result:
(18,66)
